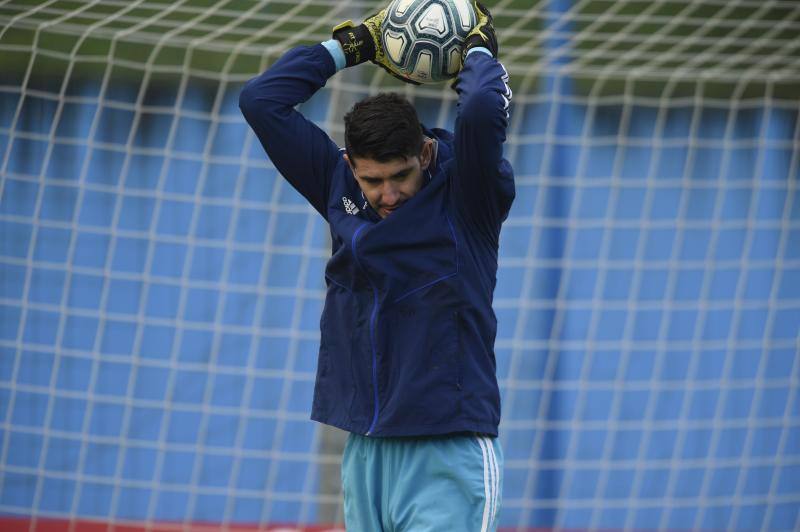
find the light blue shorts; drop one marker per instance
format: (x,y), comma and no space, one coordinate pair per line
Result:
(422,484)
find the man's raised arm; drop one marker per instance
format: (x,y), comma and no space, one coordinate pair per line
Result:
(483,179)
(300,150)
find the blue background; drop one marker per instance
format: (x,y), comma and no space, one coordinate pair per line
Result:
(160,291)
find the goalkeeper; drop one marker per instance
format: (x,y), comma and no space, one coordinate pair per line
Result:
(406,360)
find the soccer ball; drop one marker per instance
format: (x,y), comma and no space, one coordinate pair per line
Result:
(423,39)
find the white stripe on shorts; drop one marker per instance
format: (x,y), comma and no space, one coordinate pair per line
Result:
(490,482)
(493,474)
(496,483)
(485,521)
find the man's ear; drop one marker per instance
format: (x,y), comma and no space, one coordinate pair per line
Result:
(427,154)
(347,160)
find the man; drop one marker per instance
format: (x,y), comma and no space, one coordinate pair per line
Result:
(406,361)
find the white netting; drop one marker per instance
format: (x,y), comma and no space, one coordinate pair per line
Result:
(160,285)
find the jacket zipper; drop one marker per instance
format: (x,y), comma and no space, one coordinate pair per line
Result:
(372,320)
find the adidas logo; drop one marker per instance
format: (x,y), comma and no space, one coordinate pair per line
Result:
(349,206)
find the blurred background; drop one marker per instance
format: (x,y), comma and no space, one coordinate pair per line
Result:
(161,285)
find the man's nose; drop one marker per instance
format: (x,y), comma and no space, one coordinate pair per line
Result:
(390,194)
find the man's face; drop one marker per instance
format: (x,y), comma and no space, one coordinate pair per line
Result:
(389,184)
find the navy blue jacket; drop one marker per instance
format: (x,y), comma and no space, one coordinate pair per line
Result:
(408,330)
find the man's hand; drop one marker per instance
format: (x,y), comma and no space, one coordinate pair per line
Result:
(482,34)
(363,43)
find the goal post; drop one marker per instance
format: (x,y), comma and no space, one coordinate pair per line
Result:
(161,284)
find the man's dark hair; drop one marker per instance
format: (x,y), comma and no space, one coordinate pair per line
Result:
(383,128)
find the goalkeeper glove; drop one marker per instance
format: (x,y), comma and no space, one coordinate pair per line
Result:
(482,34)
(363,43)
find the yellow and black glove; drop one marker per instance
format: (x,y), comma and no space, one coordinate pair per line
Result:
(363,43)
(483,33)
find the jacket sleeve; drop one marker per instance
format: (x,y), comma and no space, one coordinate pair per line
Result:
(301,151)
(483,180)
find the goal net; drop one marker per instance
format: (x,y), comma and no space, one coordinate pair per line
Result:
(161,285)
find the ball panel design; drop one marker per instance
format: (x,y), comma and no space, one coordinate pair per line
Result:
(401,7)
(424,38)
(466,16)
(423,69)
(433,21)
(395,46)
(454,61)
